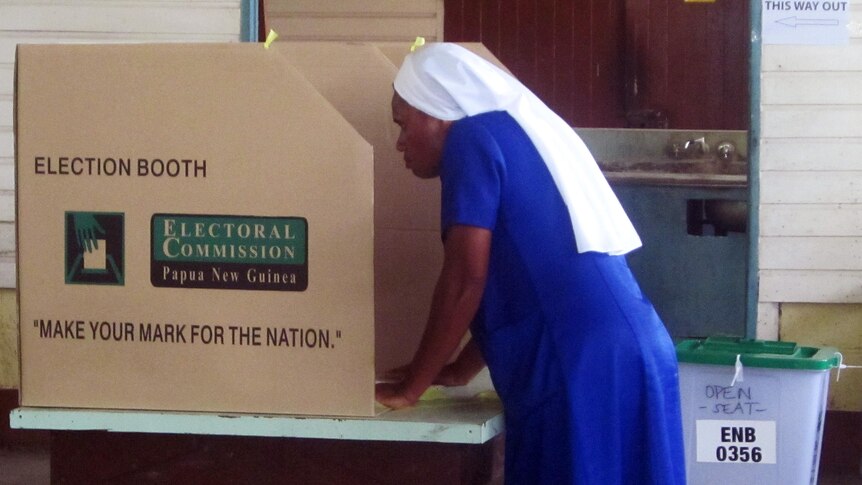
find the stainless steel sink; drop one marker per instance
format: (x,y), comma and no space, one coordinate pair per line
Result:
(696,166)
(670,157)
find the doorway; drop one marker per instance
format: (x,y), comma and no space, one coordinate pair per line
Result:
(620,63)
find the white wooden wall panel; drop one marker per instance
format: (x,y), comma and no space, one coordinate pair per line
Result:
(7,271)
(811,88)
(7,143)
(801,58)
(361,20)
(811,187)
(7,237)
(811,286)
(811,253)
(164,17)
(811,154)
(810,247)
(366,29)
(821,121)
(768,321)
(345,7)
(5,110)
(7,176)
(91,22)
(7,205)
(7,70)
(843,220)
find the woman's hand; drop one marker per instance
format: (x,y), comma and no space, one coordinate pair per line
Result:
(392,395)
(464,369)
(397,374)
(453,375)
(457,296)
(392,390)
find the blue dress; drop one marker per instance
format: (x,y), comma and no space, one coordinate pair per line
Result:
(585,369)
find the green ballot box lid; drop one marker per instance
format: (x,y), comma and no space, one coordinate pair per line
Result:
(720,350)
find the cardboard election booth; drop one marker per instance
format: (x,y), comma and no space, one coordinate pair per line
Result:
(357,80)
(217,227)
(195,232)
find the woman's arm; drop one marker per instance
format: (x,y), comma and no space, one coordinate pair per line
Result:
(456,298)
(459,373)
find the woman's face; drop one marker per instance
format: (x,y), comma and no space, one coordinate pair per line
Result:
(421,138)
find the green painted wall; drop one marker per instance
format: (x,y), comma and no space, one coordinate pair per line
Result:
(9,378)
(696,282)
(830,325)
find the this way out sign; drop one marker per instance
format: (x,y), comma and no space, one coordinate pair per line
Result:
(805,22)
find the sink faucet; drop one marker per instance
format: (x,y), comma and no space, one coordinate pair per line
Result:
(726,151)
(696,146)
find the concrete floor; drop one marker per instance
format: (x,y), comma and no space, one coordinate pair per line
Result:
(846,478)
(25,466)
(31,466)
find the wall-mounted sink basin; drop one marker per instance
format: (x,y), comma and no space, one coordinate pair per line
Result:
(697,166)
(694,173)
(670,157)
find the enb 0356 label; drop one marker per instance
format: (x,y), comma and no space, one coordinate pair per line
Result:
(720,441)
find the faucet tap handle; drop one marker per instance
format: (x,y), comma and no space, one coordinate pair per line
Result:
(696,146)
(726,151)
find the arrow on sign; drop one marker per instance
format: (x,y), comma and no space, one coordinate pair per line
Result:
(797,22)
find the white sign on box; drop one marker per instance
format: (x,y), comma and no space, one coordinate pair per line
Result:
(737,441)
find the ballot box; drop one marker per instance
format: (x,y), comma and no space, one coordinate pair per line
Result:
(753,410)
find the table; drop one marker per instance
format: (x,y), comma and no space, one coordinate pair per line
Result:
(446,440)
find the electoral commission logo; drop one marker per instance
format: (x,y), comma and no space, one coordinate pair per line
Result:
(95,248)
(229,252)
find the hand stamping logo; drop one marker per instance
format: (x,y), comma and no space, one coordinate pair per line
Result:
(95,248)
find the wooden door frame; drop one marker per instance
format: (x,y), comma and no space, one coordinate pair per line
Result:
(753,276)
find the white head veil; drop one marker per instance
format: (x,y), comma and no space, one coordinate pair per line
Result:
(449,82)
